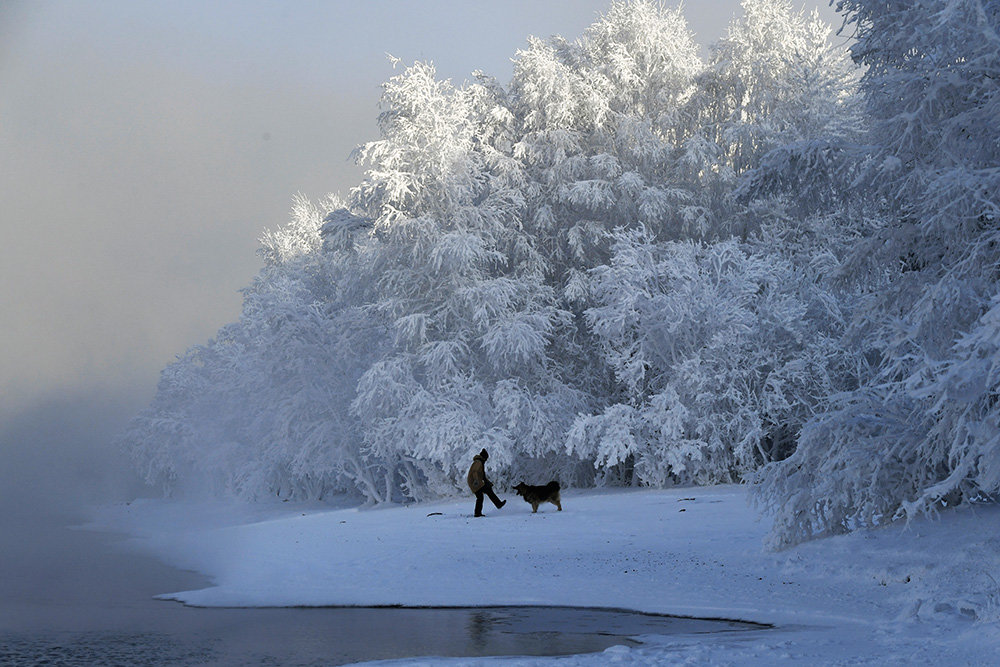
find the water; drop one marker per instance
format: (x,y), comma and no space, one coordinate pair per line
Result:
(332,636)
(338,636)
(72,598)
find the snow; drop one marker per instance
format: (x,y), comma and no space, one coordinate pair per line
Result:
(919,594)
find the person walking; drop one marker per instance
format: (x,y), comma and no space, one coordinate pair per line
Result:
(480,484)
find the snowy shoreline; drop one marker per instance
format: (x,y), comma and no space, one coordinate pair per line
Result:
(919,593)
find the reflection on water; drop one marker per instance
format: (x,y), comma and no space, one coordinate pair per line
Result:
(479,625)
(71,598)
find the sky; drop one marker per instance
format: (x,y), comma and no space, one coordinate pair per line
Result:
(144,148)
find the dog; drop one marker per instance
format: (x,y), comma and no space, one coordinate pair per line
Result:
(536,495)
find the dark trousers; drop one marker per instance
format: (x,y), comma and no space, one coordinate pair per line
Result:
(488,490)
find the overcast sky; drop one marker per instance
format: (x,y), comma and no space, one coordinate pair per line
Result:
(144,147)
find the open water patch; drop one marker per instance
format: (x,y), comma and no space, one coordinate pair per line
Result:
(340,635)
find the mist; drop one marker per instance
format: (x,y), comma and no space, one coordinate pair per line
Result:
(59,453)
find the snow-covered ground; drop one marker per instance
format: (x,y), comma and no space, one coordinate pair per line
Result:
(923,594)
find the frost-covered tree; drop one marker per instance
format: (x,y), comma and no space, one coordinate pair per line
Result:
(919,432)
(723,349)
(544,268)
(722,353)
(774,79)
(599,121)
(773,82)
(457,280)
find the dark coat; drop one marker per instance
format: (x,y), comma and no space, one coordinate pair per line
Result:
(477,473)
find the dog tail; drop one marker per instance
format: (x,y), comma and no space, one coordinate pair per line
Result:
(554,485)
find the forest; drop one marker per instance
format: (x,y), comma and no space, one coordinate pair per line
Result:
(634,265)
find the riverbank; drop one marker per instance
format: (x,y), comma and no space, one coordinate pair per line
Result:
(920,594)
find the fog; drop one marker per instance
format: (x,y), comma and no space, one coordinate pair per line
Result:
(144,147)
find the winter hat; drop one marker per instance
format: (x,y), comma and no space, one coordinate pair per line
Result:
(485,454)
